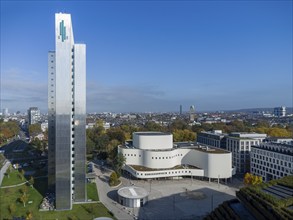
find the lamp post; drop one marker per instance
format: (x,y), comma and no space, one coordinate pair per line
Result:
(150,185)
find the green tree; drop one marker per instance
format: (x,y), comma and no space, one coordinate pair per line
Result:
(152,126)
(102,142)
(112,145)
(35,129)
(118,163)
(116,134)
(90,145)
(179,125)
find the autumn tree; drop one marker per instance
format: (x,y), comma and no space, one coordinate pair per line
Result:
(31,181)
(24,189)
(183,135)
(113,179)
(29,215)
(250,179)
(8,130)
(22,172)
(23,199)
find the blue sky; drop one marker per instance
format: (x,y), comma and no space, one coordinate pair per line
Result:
(152,56)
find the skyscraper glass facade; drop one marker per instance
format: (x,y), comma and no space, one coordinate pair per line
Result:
(67,114)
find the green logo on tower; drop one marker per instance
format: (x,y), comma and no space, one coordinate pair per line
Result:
(62,31)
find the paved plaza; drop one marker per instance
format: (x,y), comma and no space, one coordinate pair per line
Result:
(168,199)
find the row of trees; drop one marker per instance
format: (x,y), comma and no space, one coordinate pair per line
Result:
(100,139)
(105,142)
(243,126)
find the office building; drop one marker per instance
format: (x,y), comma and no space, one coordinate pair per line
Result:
(154,155)
(280,111)
(212,138)
(239,143)
(272,160)
(34,115)
(66,116)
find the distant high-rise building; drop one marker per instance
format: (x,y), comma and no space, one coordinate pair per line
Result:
(192,113)
(280,111)
(66,116)
(34,115)
(180,109)
(5,112)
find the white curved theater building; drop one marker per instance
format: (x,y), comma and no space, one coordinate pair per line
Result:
(154,155)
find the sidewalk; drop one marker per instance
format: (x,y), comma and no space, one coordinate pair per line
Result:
(104,189)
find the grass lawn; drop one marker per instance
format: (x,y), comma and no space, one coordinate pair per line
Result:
(10,196)
(92,192)
(13,178)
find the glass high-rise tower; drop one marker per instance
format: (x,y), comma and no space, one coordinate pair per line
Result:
(66,116)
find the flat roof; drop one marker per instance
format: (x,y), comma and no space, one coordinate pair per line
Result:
(133,192)
(159,133)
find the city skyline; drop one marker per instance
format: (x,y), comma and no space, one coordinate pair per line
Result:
(155,56)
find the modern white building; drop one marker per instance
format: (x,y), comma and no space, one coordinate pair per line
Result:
(34,115)
(280,111)
(154,155)
(272,160)
(239,143)
(66,116)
